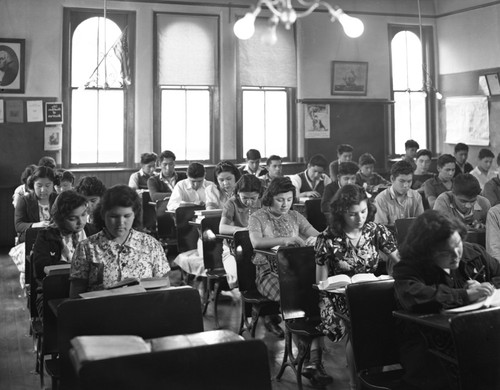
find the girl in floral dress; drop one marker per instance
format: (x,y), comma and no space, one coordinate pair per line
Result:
(350,245)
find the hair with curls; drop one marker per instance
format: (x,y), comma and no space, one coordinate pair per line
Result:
(428,234)
(65,176)
(247,183)
(47,161)
(424,152)
(147,158)
(27,173)
(466,184)
(118,196)
(346,197)
(42,173)
(64,204)
(278,185)
(226,166)
(90,186)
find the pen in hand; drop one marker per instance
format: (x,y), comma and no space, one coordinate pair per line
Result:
(478,273)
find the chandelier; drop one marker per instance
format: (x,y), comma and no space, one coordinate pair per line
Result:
(284,12)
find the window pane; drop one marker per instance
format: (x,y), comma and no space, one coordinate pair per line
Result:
(406,61)
(265,122)
(410,119)
(97,126)
(185,123)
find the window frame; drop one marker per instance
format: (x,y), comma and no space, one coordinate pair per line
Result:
(428,59)
(214,109)
(291,120)
(72,17)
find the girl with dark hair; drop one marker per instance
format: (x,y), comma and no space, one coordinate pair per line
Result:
(350,245)
(23,189)
(437,271)
(118,251)
(235,215)
(225,177)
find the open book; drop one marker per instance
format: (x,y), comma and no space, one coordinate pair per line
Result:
(492,301)
(339,281)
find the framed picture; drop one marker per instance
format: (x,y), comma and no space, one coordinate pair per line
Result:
(349,78)
(493,83)
(317,121)
(11,65)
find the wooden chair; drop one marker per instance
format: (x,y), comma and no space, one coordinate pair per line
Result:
(253,303)
(402,228)
(187,235)
(53,287)
(212,260)
(374,334)
(299,305)
(31,235)
(148,315)
(148,213)
(477,340)
(314,214)
(232,365)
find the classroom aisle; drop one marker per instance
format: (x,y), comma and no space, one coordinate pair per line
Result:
(17,359)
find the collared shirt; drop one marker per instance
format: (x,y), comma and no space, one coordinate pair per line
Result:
(139,180)
(261,171)
(444,204)
(389,208)
(103,262)
(318,185)
(482,177)
(465,168)
(434,187)
(184,192)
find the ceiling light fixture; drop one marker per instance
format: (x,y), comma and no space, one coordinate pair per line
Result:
(284,12)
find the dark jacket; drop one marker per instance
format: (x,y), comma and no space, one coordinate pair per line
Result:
(48,248)
(491,191)
(159,190)
(26,213)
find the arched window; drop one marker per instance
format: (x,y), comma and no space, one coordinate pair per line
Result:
(410,68)
(98,79)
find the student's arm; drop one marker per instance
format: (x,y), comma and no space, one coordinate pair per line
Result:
(382,214)
(321,272)
(493,233)
(21,217)
(133,182)
(420,205)
(260,242)
(155,191)
(393,259)
(212,196)
(226,226)
(176,198)
(430,193)
(327,198)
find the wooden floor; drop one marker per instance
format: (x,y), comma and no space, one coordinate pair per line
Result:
(17,356)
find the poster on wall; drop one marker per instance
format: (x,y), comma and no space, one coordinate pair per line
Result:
(53,113)
(317,120)
(52,138)
(34,111)
(467,120)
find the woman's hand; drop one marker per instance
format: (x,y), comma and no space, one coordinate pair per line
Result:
(311,241)
(41,224)
(294,241)
(479,291)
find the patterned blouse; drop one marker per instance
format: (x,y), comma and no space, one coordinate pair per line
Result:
(291,224)
(342,257)
(103,262)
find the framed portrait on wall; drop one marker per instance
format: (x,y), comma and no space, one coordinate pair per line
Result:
(349,78)
(11,65)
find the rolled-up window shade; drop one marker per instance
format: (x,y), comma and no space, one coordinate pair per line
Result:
(187,49)
(263,65)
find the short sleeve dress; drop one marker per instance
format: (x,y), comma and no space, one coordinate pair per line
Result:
(342,257)
(291,224)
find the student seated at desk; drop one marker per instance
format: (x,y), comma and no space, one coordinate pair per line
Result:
(483,171)
(93,189)
(274,169)
(491,189)
(161,186)
(344,154)
(23,189)
(346,175)
(118,251)
(312,182)
(437,271)
(464,202)
(235,215)
(461,154)
(421,174)
(275,224)
(367,178)
(190,190)
(65,181)
(399,201)
(411,147)
(139,180)
(252,167)
(225,177)
(350,245)
(435,186)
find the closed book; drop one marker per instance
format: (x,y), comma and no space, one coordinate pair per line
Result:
(57,269)
(116,291)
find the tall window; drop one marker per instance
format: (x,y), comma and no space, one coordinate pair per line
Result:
(187,63)
(97,88)
(410,61)
(267,78)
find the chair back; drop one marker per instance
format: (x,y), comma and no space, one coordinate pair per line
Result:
(148,212)
(54,286)
(212,246)
(314,214)
(245,269)
(373,331)
(148,315)
(29,242)
(232,365)
(402,227)
(297,274)
(187,235)
(477,339)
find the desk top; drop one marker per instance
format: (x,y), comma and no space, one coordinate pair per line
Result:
(224,236)
(267,252)
(438,321)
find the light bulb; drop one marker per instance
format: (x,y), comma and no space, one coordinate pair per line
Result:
(244,28)
(439,96)
(353,27)
(288,17)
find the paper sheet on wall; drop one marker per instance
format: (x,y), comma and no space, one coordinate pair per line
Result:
(34,110)
(1,111)
(467,120)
